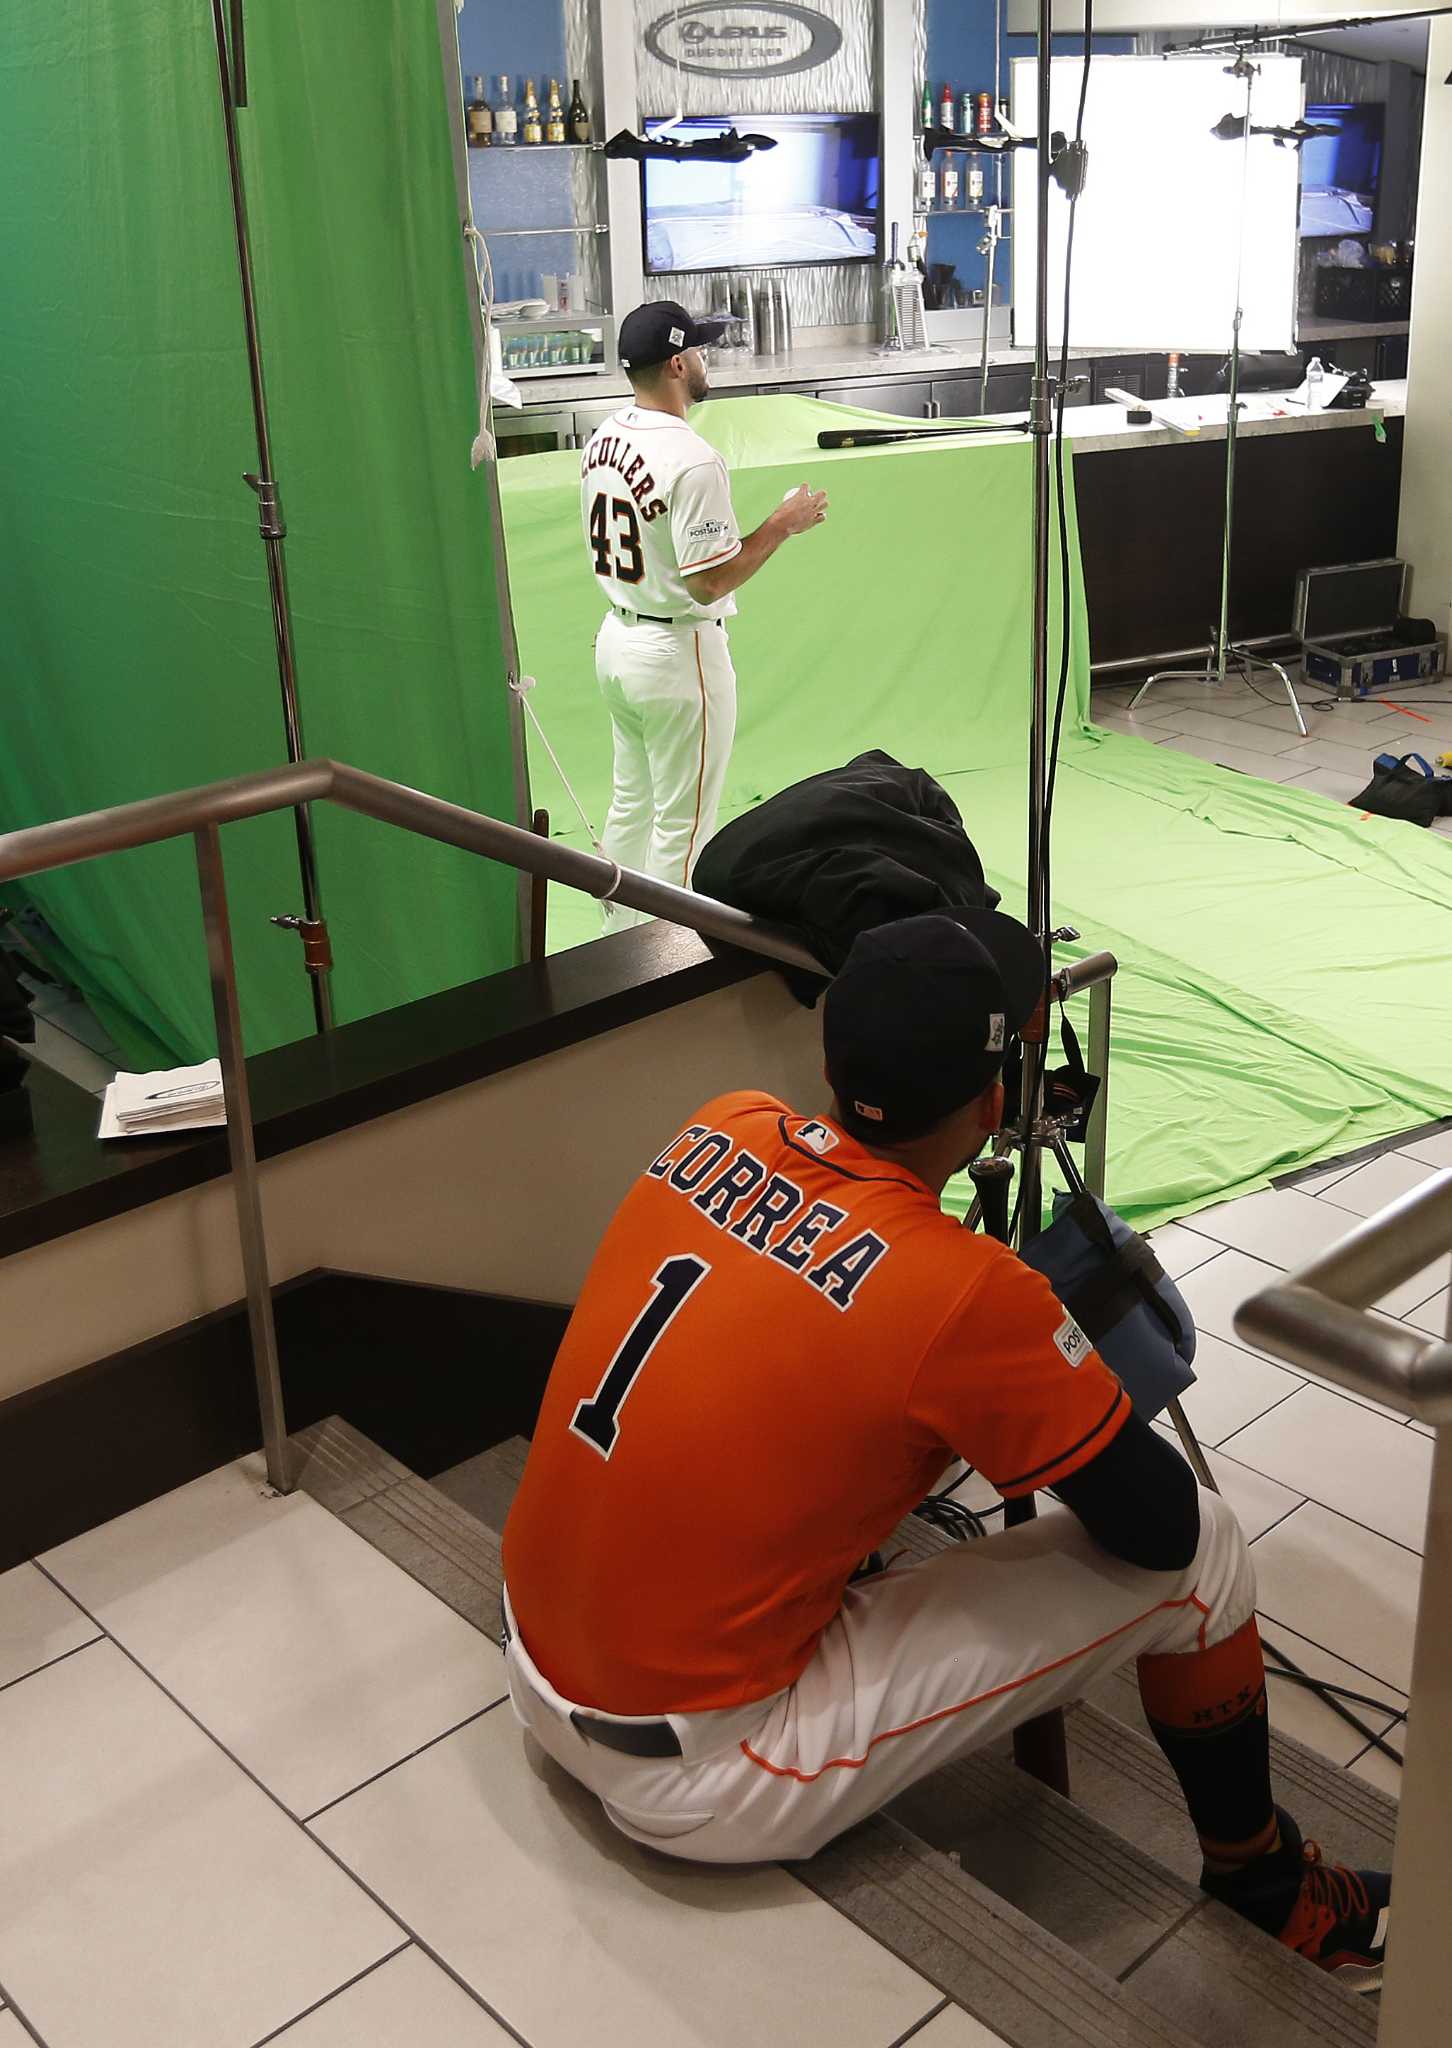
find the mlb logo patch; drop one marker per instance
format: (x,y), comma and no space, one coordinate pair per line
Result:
(866,1109)
(1072,1342)
(996,1032)
(818,1137)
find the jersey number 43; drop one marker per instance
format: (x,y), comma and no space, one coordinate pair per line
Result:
(618,556)
(596,1419)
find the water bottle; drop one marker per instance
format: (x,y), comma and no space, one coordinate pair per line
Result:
(1315,377)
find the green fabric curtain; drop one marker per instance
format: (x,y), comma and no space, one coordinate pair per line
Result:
(136,648)
(1284,960)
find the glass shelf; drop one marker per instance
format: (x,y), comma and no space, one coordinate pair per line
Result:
(527,148)
(600,228)
(552,323)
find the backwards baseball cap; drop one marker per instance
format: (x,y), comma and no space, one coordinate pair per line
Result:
(918,1021)
(655,332)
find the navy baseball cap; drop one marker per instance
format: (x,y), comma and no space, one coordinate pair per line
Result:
(655,332)
(919,1020)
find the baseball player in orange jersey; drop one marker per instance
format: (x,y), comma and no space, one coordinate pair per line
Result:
(668,555)
(781,1346)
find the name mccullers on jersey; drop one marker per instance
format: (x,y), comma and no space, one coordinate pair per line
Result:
(778,1222)
(614,452)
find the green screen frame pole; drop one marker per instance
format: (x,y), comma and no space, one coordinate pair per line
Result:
(311,926)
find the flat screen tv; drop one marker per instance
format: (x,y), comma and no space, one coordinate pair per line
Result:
(1339,173)
(815,198)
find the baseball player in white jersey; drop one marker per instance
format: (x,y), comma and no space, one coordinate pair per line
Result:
(668,555)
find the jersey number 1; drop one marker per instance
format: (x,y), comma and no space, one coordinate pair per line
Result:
(620,558)
(596,1419)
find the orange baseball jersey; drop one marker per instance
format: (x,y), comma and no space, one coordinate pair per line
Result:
(780,1345)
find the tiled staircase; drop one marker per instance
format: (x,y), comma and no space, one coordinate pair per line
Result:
(1052,1922)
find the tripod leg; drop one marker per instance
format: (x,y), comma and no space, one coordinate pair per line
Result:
(1291,693)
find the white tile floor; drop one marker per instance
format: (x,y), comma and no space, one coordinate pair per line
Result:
(180,1689)
(1253,731)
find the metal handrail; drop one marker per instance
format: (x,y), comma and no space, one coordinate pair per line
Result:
(36,849)
(1319,1317)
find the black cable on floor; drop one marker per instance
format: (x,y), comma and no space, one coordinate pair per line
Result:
(1327,1692)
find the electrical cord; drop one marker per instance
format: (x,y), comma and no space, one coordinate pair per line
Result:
(1065,607)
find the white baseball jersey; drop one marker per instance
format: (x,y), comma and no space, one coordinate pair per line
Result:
(656,503)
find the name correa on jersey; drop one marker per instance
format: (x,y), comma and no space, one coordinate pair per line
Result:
(777,1221)
(613,451)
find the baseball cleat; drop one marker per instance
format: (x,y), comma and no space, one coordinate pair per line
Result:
(1335,1917)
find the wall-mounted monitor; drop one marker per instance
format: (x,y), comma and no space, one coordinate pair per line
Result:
(815,198)
(1340,173)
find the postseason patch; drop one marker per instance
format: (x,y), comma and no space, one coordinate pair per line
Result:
(1072,1341)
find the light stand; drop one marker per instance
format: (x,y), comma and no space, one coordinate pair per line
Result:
(993,232)
(311,927)
(1030,1197)
(1225,653)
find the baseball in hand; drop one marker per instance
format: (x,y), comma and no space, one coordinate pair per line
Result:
(804,507)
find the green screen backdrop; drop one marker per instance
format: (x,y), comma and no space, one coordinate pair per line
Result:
(136,649)
(1283,958)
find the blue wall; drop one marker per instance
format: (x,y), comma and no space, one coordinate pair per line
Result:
(960,51)
(526,38)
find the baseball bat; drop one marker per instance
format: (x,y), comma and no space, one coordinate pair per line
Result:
(880,437)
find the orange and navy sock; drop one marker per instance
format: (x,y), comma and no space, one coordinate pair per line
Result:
(1207,1711)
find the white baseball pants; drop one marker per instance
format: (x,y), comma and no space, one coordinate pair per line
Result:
(671,695)
(922,1664)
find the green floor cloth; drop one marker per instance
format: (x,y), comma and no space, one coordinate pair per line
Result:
(136,642)
(1286,986)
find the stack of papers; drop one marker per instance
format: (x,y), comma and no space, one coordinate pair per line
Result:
(173,1099)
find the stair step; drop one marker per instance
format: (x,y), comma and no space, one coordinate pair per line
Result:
(995,1962)
(430,1537)
(1122,1909)
(485,1485)
(1118,1773)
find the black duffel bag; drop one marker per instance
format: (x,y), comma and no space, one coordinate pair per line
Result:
(1396,790)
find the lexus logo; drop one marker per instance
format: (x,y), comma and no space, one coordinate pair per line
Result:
(751,39)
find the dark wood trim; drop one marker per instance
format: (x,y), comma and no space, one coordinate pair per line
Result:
(432,1374)
(59,1177)
(1151,520)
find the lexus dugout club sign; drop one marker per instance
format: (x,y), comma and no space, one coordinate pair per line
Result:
(750,40)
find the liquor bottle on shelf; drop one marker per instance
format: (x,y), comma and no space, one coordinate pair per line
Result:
(478,120)
(578,117)
(974,193)
(531,128)
(985,120)
(555,116)
(506,119)
(927,188)
(949,180)
(945,109)
(967,114)
(929,111)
